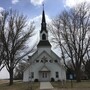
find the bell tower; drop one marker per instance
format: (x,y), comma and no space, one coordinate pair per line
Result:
(43,33)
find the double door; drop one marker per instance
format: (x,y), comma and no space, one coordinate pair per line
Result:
(44,76)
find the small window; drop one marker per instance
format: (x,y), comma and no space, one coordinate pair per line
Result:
(37,60)
(43,37)
(32,74)
(42,61)
(50,61)
(57,75)
(55,61)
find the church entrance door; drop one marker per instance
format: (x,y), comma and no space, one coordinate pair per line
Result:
(44,76)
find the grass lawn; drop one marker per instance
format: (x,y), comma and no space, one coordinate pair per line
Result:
(19,85)
(81,85)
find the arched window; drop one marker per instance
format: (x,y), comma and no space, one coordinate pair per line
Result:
(43,37)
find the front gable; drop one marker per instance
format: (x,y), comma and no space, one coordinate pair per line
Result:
(43,56)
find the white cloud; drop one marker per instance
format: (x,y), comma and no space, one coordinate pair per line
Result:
(72,3)
(15,1)
(36,2)
(1,9)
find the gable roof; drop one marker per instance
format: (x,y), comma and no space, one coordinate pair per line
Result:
(44,68)
(42,53)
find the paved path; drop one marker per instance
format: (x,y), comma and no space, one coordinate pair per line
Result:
(45,85)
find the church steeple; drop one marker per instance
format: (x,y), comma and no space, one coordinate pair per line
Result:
(43,15)
(43,23)
(43,33)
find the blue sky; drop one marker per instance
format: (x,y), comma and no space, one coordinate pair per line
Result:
(33,9)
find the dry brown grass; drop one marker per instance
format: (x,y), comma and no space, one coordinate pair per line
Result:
(3,81)
(18,85)
(84,85)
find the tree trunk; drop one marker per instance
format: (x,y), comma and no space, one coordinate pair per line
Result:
(11,76)
(78,75)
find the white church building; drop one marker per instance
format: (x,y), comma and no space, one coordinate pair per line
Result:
(44,63)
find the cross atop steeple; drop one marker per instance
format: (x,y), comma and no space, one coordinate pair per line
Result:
(43,6)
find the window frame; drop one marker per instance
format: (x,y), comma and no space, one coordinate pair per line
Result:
(43,36)
(32,74)
(57,74)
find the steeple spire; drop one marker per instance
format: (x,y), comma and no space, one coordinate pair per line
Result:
(43,24)
(43,6)
(43,15)
(43,33)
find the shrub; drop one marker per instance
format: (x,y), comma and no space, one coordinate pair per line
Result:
(36,80)
(52,80)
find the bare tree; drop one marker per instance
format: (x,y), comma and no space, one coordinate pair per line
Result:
(70,32)
(2,63)
(19,69)
(14,35)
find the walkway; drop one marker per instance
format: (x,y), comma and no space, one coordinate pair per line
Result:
(45,85)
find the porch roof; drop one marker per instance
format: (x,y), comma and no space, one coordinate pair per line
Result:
(44,68)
